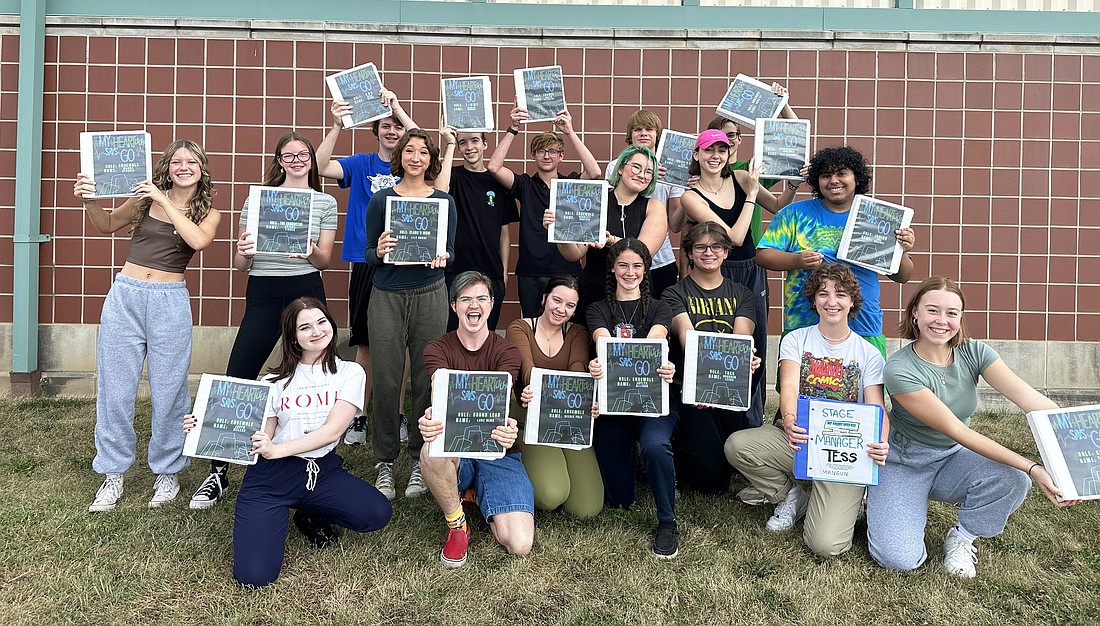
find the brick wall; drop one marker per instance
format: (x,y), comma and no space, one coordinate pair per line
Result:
(996,150)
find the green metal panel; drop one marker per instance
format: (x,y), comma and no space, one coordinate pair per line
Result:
(28,192)
(904,18)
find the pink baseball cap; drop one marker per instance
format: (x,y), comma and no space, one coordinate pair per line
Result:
(709,137)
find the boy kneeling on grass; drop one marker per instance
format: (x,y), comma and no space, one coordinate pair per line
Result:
(499,486)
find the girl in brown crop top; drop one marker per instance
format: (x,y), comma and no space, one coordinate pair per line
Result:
(178,194)
(147,318)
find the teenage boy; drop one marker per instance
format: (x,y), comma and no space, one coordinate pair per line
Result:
(643,128)
(806,234)
(485,208)
(363,174)
(539,260)
(500,486)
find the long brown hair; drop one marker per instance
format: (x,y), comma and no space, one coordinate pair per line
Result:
(290,353)
(908,326)
(201,201)
(637,247)
(275,175)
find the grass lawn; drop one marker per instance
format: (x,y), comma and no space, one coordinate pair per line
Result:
(61,564)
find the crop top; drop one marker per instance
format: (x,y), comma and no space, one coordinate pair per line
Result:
(156,245)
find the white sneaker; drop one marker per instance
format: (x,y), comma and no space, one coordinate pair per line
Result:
(357,432)
(959,556)
(165,489)
(110,492)
(789,511)
(416,486)
(384,483)
(751,496)
(209,492)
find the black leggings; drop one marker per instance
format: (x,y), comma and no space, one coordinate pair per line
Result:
(265,299)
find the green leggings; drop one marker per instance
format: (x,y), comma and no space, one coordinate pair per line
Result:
(569,479)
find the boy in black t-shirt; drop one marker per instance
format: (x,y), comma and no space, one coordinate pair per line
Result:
(485,208)
(539,260)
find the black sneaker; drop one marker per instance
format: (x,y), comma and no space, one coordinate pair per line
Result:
(316,529)
(666,541)
(210,491)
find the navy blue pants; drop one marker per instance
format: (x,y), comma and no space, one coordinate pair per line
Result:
(700,436)
(268,491)
(613,441)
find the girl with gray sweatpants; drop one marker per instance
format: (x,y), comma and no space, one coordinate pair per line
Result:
(934,455)
(147,316)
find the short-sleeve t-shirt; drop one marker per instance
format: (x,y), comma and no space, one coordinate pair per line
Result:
(710,310)
(629,316)
(662,192)
(324,218)
(810,225)
(958,388)
(832,371)
(497,354)
(483,206)
(304,405)
(537,256)
(364,175)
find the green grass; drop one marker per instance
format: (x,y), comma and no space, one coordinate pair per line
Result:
(60,564)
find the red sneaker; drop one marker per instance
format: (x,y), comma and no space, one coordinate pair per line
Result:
(453,553)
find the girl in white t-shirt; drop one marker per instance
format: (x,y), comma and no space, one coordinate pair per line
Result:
(826,360)
(316,396)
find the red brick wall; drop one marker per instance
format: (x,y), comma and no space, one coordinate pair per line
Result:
(991,149)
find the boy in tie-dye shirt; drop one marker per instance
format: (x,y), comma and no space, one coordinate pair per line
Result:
(806,234)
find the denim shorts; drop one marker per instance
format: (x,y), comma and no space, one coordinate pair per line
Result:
(501,485)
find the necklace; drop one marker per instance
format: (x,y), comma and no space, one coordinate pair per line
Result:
(622,311)
(941,366)
(714,191)
(836,340)
(622,217)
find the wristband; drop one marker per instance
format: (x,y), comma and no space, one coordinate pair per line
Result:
(793,185)
(1033,466)
(512,131)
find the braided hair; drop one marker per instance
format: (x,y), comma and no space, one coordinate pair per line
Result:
(637,247)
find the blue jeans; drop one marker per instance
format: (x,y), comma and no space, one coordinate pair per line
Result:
(501,484)
(614,439)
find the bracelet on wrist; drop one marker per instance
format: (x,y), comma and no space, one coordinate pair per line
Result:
(1033,466)
(513,131)
(793,185)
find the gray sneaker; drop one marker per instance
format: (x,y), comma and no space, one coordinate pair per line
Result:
(384,482)
(110,492)
(357,432)
(165,489)
(403,429)
(416,486)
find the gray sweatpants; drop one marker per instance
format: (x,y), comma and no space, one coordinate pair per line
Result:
(140,320)
(398,321)
(897,508)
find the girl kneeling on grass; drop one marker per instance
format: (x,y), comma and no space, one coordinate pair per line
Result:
(934,454)
(316,396)
(628,311)
(765,455)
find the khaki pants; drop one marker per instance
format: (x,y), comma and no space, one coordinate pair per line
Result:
(764,458)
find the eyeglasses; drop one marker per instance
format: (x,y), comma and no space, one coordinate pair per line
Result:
(468,300)
(700,248)
(639,170)
(552,153)
(289,157)
(734,135)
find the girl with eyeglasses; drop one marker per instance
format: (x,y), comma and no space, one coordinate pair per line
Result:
(706,301)
(147,317)
(632,214)
(274,281)
(729,197)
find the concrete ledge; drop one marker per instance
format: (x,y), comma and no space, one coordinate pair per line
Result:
(1067,371)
